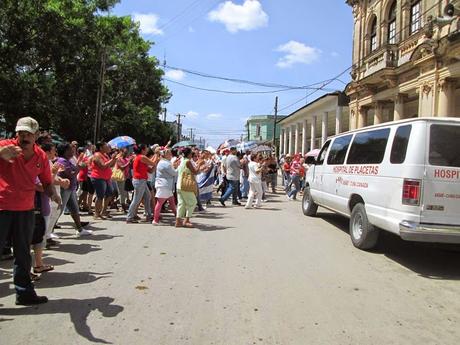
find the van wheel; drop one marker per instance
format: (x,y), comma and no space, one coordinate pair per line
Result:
(309,207)
(363,234)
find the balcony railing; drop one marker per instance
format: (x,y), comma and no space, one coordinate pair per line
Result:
(384,57)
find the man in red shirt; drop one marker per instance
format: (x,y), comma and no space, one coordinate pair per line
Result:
(21,162)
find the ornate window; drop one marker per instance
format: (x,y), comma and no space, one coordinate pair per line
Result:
(415,17)
(392,24)
(373,45)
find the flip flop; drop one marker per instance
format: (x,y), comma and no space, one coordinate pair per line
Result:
(43,268)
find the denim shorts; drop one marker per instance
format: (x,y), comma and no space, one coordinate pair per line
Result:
(102,187)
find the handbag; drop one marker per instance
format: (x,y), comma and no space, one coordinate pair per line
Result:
(117,174)
(188,183)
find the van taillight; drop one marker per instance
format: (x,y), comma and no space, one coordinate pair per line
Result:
(411,192)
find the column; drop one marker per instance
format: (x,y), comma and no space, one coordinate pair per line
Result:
(399,107)
(313,133)
(378,113)
(362,116)
(425,105)
(446,98)
(291,140)
(296,139)
(304,137)
(338,120)
(285,141)
(324,128)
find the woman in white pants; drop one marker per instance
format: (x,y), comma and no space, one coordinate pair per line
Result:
(255,181)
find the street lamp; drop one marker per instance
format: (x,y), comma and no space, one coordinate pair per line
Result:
(100,95)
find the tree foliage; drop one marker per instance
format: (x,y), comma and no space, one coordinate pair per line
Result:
(50,64)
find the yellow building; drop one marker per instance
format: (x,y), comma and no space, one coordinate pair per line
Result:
(406,60)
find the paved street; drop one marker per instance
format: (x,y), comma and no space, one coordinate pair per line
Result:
(268,276)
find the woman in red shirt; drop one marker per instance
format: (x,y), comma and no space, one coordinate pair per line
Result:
(101,174)
(141,166)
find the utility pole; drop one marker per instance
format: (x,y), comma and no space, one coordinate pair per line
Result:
(99,96)
(191,133)
(274,123)
(179,128)
(164,114)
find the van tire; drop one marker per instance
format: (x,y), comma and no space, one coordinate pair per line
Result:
(363,234)
(309,207)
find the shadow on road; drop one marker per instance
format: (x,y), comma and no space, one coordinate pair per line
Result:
(5,289)
(80,249)
(59,279)
(210,227)
(78,310)
(429,260)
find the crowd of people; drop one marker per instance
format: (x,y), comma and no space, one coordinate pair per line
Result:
(40,180)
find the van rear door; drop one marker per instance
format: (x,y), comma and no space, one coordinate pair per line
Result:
(441,185)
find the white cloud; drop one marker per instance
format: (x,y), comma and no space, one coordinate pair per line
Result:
(213,116)
(191,114)
(191,29)
(175,74)
(297,52)
(148,23)
(335,54)
(248,16)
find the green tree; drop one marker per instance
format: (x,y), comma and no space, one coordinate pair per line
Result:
(50,61)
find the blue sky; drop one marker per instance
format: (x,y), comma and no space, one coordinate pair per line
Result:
(290,42)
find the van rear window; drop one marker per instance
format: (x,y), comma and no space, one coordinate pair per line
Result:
(399,148)
(444,148)
(369,147)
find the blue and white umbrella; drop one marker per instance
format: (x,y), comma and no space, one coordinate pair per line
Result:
(121,142)
(246,146)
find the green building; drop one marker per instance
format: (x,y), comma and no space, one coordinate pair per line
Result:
(260,127)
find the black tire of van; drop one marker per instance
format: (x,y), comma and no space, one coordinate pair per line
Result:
(309,207)
(369,234)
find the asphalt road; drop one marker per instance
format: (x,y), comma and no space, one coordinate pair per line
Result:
(266,276)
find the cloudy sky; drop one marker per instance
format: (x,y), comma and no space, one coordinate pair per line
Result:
(267,49)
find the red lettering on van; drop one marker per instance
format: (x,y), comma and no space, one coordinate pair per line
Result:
(449,174)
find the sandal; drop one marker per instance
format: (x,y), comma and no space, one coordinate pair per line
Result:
(189,225)
(43,268)
(34,277)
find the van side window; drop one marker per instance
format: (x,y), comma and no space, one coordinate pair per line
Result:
(369,147)
(339,150)
(322,153)
(444,148)
(399,148)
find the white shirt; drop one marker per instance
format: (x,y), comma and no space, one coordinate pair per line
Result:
(254,176)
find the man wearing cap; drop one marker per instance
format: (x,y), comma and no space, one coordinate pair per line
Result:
(232,168)
(21,162)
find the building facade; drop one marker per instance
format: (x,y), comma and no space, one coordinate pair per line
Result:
(406,60)
(260,127)
(308,127)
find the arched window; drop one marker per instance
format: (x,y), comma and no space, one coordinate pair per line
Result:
(373,45)
(392,24)
(415,16)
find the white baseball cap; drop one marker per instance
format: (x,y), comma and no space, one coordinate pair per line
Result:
(27,124)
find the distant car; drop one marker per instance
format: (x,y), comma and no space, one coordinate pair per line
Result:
(402,177)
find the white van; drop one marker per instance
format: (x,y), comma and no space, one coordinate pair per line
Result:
(402,177)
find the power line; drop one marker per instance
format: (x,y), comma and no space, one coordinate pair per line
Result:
(243,81)
(233,92)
